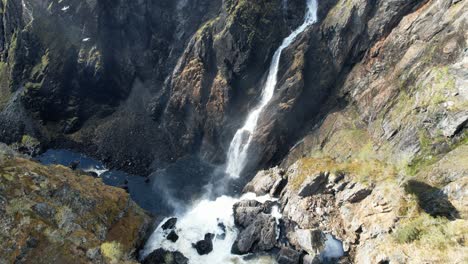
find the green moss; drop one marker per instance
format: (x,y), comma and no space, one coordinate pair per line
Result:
(438,233)
(5,93)
(365,172)
(112,251)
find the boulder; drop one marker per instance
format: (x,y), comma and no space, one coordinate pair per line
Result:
(266,182)
(172,236)
(245,212)
(74,164)
(313,184)
(162,256)
(288,256)
(259,236)
(204,246)
(169,224)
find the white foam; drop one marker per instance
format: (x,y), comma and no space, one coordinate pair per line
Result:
(98,171)
(205,217)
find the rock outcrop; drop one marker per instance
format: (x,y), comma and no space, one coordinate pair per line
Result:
(55,215)
(258,227)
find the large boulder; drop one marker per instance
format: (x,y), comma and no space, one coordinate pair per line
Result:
(258,228)
(204,246)
(257,237)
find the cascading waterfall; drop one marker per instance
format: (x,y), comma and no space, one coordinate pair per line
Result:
(27,11)
(206,215)
(238,149)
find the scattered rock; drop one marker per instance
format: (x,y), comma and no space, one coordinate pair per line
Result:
(204,246)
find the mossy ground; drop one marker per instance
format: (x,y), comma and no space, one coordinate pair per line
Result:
(86,214)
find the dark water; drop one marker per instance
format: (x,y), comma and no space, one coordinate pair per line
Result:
(162,193)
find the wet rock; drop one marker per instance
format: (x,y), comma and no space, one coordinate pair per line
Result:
(169,224)
(222,227)
(172,236)
(245,212)
(93,174)
(162,256)
(259,236)
(313,184)
(204,246)
(288,256)
(74,165)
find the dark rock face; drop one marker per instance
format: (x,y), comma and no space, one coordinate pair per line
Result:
(169,224)
(204,246)
(172,236)
(288,256)
(161,256)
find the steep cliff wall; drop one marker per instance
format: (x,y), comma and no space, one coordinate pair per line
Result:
(145,83)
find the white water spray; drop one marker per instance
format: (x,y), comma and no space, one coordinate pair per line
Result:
(27,11)
(238,149)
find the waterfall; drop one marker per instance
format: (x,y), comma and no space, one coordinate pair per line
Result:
(238,149)
(27,11)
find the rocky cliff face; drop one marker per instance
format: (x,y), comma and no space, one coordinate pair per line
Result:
(55,215)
